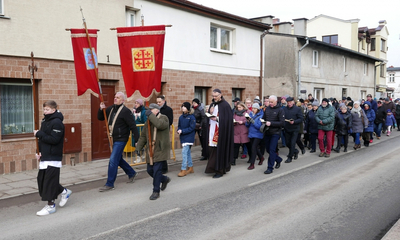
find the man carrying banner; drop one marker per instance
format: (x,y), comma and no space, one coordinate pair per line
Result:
(121,123)
(159,136)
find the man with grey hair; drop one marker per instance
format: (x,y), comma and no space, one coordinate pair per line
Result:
(274,117)
(120,123)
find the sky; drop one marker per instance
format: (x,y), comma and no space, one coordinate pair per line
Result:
(369,13)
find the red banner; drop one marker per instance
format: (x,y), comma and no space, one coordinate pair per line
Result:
(141,50)
(84,65)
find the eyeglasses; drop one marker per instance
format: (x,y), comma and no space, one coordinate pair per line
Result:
(215,96)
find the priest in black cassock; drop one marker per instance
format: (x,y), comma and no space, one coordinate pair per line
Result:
(220,136)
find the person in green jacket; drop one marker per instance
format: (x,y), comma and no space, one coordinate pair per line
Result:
(325,118)
(159,126)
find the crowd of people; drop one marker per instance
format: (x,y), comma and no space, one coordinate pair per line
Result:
(252,125)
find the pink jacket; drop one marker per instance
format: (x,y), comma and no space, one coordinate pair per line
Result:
(241,132)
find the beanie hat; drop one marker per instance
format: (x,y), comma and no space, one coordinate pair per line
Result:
(196,100)
(342,105)
(154,106)
(315,103)
(388,110)
(186,105)
(283,97)
(255,106)
(350,104)
(325,100)
(140,101)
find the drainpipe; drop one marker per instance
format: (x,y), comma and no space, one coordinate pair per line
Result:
(261,64)
(299,72)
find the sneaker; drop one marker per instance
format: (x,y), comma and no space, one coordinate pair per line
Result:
(47,210)
(64,198)
(321,154)
(379,138)
(132,179)
(370,141)
(243,156)
(105,188)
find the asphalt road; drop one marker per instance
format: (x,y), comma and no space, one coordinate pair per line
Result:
(348,196)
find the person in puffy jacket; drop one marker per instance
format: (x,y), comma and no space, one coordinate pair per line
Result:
(343,123)
(360,121)
(380,119)
(325,118)
(255,135)
(293,119)
(370,114)
(390,121)
(51,139)
(187,132)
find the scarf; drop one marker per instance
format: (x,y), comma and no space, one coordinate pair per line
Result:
(356,110)
(240,113)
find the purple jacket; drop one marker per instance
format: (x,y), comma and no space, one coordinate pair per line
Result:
(241,132)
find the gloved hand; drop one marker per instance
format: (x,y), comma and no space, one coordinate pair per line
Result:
(251,120)
(148,112)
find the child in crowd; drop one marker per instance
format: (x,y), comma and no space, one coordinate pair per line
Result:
(187,132)
(390,121)
(51,139)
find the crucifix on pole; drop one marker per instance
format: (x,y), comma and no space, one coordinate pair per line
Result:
(32,69)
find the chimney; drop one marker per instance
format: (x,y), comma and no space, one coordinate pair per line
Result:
(300,26)
(275,20)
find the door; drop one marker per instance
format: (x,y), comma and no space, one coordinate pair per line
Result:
(100,145)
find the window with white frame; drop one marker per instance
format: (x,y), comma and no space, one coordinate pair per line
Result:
(16,110)
(391,77)
(315,58)
(130,18)
(220,38)
(318,94)
(363,94)
(344,64)
(382,70)
(236,93)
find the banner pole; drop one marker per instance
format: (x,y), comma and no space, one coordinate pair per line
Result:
(98,81)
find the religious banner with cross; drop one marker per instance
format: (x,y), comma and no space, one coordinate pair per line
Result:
(141,50)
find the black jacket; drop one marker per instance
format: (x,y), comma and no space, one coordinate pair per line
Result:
(380,115)
(276,116)
(397,113)
(200,115)
(123,125)
(167,111)
(51,137)
(343,122)
(296,114)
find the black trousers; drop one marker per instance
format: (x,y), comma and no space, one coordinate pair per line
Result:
(237,147)
(49,183)
(345,140)
(291,139)
(255,150)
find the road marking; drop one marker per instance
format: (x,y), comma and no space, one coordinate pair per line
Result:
(133,223)
(283,174)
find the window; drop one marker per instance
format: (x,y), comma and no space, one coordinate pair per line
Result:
(1,7)
(16,110)
(333,39)
(130,18)
(344,64)
(220,39)
(363,44)
(236,93)
(318,94)
(201,94)
(372,44)
(315,58)
(391,77)
(383,45)
(363,94)
(344,92)
(382,70)
(365,69)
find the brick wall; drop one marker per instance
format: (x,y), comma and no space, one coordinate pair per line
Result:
(57,82)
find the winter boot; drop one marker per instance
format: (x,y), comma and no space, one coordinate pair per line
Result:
(251,167)
(182,173)
(190,170)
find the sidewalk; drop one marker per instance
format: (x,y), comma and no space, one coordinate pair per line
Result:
(24,183)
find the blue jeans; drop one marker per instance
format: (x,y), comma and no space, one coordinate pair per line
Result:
(271,142)
(115,161)
(357,138)
(186,157)
(155,171)
(378,129)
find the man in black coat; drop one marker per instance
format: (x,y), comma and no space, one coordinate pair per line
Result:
(220,137)
(274,117)
(293,119)
(121,123)
(167,111)
(379,119)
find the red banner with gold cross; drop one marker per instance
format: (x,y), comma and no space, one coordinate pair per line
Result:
(141,50)
(84,64)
